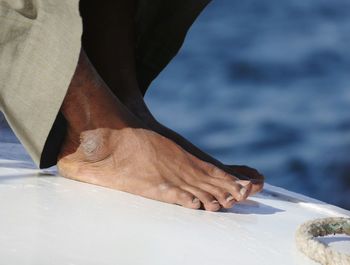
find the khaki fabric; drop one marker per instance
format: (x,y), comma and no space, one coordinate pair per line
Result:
(40,41)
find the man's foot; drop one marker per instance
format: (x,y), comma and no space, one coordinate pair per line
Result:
(110,45)
(142,162)
(138,107)
(107,145)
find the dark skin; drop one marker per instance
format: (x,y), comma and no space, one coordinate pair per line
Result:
(117,68)
(109,146)
(113,140)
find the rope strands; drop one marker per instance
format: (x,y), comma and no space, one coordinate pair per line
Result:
(316,250)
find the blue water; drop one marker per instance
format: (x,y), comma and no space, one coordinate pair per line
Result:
(267,84)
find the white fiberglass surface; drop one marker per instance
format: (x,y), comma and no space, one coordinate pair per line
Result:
(46,219)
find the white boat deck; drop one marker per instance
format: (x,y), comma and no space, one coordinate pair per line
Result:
(48,220)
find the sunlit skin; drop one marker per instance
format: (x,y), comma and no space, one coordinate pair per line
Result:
(114,141)
(108,146)
(117,68)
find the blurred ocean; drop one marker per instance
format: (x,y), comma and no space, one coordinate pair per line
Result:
(267,84)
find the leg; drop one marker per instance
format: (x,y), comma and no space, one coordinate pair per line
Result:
(111,57)
(116,18)
(107,145)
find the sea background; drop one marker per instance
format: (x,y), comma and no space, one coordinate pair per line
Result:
(266,84)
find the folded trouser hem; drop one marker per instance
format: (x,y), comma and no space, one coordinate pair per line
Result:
(41,48)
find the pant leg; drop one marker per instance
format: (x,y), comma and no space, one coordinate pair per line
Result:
(39,50)
(162,26)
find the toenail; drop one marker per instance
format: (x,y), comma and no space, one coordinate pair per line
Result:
(229,198)
(243,191)
(215,202)
(195,200)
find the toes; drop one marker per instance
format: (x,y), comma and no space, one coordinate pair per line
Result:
(245,172)
(239,189)
(224,197)
(209,202)
(247,188)
(181,197)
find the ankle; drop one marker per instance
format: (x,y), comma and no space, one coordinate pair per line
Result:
(95,144)
(90,145)
(89,103)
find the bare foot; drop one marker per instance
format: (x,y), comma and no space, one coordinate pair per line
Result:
(142,162)
(106,145)
(242,172)
(110,45)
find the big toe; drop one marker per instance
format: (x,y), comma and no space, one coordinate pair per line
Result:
(251,174)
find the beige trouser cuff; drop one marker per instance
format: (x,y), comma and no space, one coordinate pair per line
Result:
(40,41)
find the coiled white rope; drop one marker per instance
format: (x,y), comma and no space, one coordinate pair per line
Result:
(316,250)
